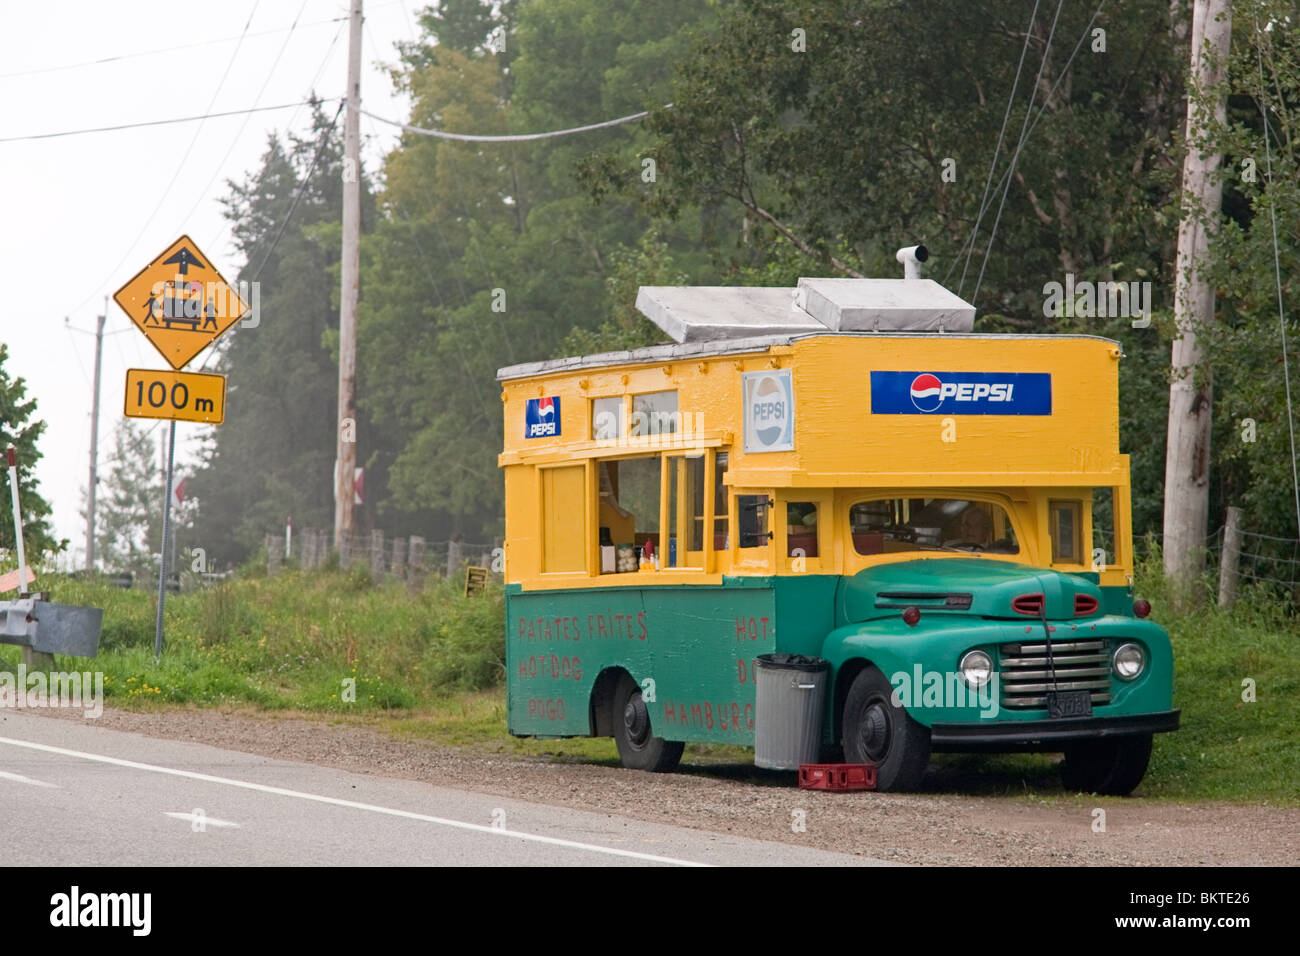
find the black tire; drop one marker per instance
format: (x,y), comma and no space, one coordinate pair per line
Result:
(878,732)
(638,747)
(1111,766)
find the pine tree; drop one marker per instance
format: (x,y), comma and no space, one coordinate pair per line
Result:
(18,428)
(130,503)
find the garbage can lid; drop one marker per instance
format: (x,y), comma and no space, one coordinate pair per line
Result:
(796,662)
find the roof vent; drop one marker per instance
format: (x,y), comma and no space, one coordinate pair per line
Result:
(911,258)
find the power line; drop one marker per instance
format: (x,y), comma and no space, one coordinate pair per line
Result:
(517,138)
(993,163)
(1011,167)
(221,236)
(1277,266)
(244,125)
(166,122)
(179,166)
(1034,125)
(298,194)
(166,49)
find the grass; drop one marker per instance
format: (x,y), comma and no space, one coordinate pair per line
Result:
(431,666)
(297,641)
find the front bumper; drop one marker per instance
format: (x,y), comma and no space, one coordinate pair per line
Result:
(1045,735)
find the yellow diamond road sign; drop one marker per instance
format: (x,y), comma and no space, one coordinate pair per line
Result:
(180,302)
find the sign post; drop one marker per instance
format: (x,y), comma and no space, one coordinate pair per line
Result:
(181,304)
(162,556)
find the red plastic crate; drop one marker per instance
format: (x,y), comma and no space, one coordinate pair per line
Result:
(837,776)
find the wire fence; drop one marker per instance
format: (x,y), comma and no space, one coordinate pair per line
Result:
(1263,558)
(409,557)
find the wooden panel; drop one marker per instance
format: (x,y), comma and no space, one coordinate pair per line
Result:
(564,519)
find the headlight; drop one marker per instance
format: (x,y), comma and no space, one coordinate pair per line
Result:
(1129,660)
(976,668)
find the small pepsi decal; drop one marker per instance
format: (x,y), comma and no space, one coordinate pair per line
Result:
(542,417)
(961,393)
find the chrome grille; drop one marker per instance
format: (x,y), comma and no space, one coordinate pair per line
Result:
(1080,665)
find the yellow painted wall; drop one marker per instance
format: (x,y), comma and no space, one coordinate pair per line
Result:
(838,443)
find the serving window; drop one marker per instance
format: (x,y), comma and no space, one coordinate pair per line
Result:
(657,512)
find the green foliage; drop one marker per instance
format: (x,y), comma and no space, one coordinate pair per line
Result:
(18,429)
(1255,471)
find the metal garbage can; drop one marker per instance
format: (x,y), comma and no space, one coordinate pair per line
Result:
(790,693)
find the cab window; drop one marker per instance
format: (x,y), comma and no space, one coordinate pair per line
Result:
(1065,526)
(889,525)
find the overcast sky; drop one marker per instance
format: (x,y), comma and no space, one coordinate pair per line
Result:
(82,214)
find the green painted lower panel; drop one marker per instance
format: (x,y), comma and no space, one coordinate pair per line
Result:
(695,646)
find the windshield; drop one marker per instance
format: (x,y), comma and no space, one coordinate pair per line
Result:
(888,525)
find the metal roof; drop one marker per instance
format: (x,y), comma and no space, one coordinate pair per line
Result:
(759,343)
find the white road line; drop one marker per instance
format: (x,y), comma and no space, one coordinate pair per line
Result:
(335,801)
(19,778)
(202,819)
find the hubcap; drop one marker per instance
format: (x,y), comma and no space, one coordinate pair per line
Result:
(637,721)
(874,733)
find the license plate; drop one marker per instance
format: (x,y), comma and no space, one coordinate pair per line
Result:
(1069,703)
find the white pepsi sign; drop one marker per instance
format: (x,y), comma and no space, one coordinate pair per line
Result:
(961,393)
(768,398)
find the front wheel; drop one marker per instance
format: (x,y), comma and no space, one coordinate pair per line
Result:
(876,731)
(1110,766)
(638,747)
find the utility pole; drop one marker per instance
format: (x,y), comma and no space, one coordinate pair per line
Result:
(1187,458)
(351,268)
(94,443)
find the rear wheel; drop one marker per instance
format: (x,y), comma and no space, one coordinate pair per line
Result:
(878,732)
(1110,766)
(638,747)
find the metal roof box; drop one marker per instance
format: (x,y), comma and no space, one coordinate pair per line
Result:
(713,313)
(885,305)
(709,312)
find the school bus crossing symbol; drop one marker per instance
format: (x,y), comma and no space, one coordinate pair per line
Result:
(180,302)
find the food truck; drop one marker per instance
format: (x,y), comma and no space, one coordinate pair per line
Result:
(845,471)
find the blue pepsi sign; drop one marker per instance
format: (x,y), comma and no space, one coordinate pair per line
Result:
(961,393)
(542,417)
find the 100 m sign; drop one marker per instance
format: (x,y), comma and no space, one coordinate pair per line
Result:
(180,396)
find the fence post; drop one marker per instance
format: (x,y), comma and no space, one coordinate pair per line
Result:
(274,553)
(415,568)
(399,557)
(453,555)
(377,554)
(1229,558)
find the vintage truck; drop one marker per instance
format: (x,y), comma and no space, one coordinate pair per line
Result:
(842,470)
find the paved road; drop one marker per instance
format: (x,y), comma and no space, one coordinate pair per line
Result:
(124,799)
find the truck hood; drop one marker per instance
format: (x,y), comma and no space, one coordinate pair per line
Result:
(975,586)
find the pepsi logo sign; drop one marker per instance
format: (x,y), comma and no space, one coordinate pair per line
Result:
(542,417)
(961,393)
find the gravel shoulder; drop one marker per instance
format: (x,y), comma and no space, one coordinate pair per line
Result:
(923,829)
